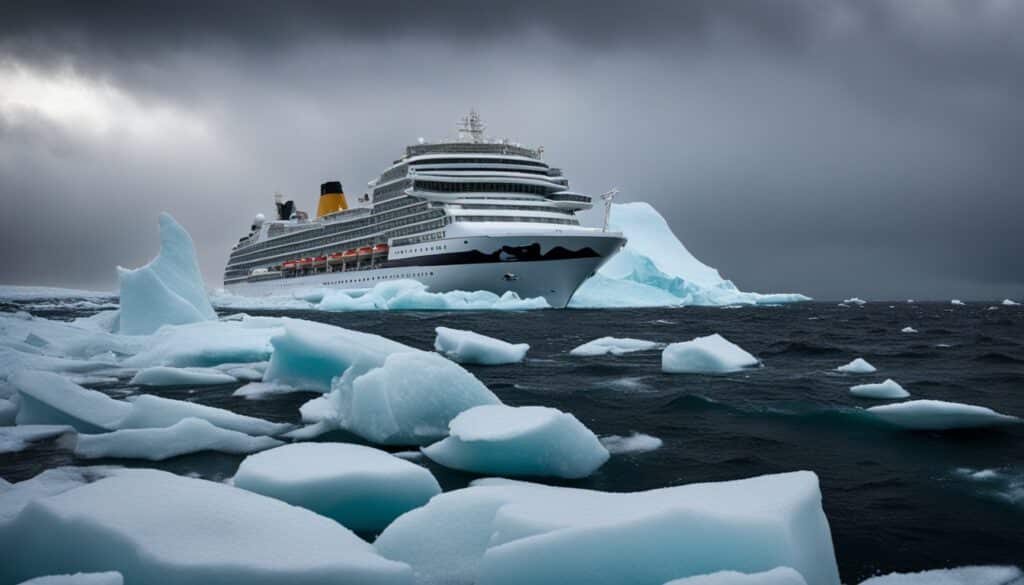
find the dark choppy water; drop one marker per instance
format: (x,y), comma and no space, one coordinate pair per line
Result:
(895,499)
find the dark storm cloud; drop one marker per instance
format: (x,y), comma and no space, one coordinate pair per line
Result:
(863,147)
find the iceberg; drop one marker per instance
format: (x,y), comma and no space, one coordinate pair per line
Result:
(712,354)
(777,576)
(502,531)
(468,347)
(981,575)
(157,527)
(519,441)
(1010,303)
(14,439)
(887,390)
(613,346)
(167,291)
(51,399)
(104,578)
(656,269)
(362,488)
(937,415)
(635,443)
(190,435)
(857,366)
(168,376)
(956,302)
(408,400)
(908,329)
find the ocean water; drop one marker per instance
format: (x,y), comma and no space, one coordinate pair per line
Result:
(896,500)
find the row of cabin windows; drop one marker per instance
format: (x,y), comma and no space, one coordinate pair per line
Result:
(402,276)
(516,219)
(480,187)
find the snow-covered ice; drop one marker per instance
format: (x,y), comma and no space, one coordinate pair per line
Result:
(655,269)
(48,398)
(777,576)
(613,346)
(854,301)
(937,415)
(361,487)
(167,291)
(502,531)
(168,376)
(13,439)
(858,366)
(104,578)
(980,575)
(634,443)
(887,390)
(1010,303)
(469,347)
(408,400)
(908,329)
(190,435)
(712,354)
(519,441)
(157,527)
(956,302)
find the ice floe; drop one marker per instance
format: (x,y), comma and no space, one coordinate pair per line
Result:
(157,527)
(104,578)
(980,575)
(260,390)
(777,576)
(614,346)
(13,439)
(1010,303)
(634,443)
(48,398)
(937,415)
(519,441)
(503,531)
(655,269)
(167,291)
(469,347)
(9,292)
(854,301)
(712,354)
(361,487)
(908,329)
(858,366)
(956,302)
(887,390)
(189,435)
(148,411)
(168,376)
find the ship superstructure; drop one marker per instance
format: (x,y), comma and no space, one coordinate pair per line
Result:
(468,214)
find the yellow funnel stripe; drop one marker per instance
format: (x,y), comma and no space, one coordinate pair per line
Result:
(330,203)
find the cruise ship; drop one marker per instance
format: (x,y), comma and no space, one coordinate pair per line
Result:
(467,214)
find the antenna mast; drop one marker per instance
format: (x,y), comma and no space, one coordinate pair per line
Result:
(472,128)
(607,198)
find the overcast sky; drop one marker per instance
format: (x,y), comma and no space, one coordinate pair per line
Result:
(833,148)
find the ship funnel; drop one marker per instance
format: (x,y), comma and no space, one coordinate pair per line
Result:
(332,198)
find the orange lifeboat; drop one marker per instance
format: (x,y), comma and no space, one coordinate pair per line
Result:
(365,251)
(334,258)
(288,265)
(349,254)
(320,260)
(380,249)
(305,262)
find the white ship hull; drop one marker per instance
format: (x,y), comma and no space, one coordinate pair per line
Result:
(469,263)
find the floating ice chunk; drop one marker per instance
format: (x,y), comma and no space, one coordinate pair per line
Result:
(614,346)
(981,575)
(168,376)
(47,398)
(635,443)
(148,411)
(13,439)
(413,295)
(156,444)
(712,354)
(363,488)
(956,302)
(105,578)
(249,372)
(408,400)
(524,441)
(908,329)
(888,389)
(936,415)
(777,576)
(167,291)
(258,390)
(854,301)
(655,269)
(857,366)
(50,482)
(1010,303)
(501,531)
(209,343)
(468,347)
(156,527)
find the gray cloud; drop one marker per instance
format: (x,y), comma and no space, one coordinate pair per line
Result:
(832,148)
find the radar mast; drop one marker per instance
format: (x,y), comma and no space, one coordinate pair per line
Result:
(472,128)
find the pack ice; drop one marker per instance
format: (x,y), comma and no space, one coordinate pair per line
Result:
(159,528)
(937,415)
(613,346)
(655,269)
(190,435)
(503,531)
(519,441)
(857,366)
(469,347)
(777,576)
(361,487)
(887,390)
(167,291)
(712,354)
